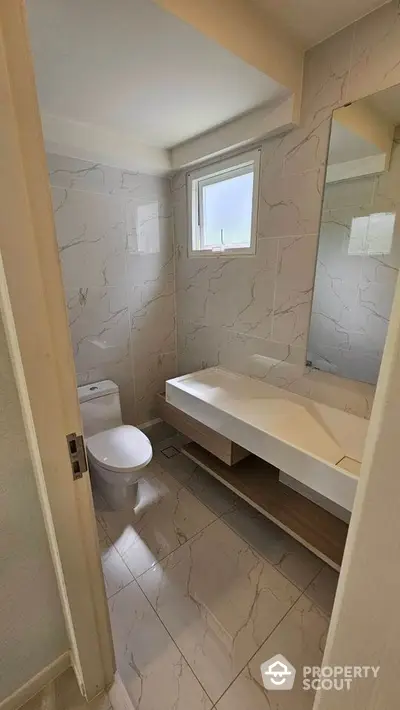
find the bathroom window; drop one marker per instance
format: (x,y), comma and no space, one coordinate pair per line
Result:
(372,235)
(223,205)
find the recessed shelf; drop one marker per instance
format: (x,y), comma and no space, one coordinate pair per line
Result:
(257,482)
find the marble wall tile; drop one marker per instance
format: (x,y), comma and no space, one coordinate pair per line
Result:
(296,152)
(351,363)
(355,62)
(148,223)
(151,372)
(382,269)
(357,193)
(143,187)
(73,173)
(375,63)
(275,363)
(233,293)
(350,395)
(152,322)
(77,174)
(293,289)
(306,148)
(325,80)
(205,346)
(114,231)
(91,237)
(198,346)
(228,309)
(99,325)
(290,204)
(353,294)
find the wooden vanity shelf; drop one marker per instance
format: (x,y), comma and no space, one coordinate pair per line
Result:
(257,482)
(225,449)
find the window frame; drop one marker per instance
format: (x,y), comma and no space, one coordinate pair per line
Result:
(197,180)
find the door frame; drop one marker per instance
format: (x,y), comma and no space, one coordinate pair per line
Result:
(38,335)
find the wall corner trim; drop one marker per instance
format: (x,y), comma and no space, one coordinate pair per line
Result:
(37,683)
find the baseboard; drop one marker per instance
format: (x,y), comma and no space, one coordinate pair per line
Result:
(118,695)
(157,430)
(151,423)
(37,683)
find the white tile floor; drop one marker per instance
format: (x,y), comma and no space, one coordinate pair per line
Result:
(202,589)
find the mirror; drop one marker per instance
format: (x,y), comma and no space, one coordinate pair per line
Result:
(358,252)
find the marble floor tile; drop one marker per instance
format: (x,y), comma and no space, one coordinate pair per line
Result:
(219,600)
(322,589)
(116,573)
(165,517)
(211,492)
(153,671)
(300,637)
(286,554)
(98,500)
(175,439)
(159,432)
(179,466)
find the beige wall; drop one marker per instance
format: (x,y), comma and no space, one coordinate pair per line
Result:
(31,620)
(253,314)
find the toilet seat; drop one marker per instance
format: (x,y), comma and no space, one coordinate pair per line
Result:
(122,449)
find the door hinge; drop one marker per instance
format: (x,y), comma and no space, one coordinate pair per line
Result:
(77,455)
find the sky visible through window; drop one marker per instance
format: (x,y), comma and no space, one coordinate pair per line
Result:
(227,206)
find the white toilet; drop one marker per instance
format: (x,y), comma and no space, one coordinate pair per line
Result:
(117,452)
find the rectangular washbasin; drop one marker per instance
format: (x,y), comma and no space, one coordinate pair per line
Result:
(305,439)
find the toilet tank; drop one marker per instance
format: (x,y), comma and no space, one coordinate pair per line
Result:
(100,407)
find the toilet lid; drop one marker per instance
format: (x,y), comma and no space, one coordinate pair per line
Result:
(122,449)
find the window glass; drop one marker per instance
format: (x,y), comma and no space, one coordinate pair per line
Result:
(227,212)
(223,206)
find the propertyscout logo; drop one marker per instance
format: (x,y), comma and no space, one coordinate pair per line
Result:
(279,674)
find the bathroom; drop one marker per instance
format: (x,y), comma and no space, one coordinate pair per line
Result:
(142,310)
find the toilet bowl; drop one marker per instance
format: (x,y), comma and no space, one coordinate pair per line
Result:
(117,452)
(116,458)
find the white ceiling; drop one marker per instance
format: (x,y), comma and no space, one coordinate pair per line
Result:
(128,66)
(387,103)
(312,21)
(346,145)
